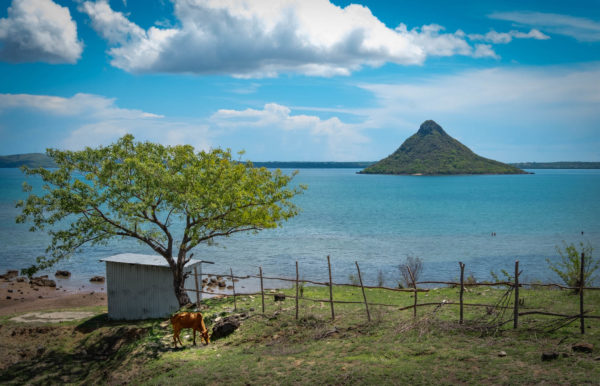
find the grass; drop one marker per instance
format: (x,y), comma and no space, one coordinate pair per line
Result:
(275,348)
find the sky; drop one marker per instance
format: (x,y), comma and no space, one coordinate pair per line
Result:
(302,80)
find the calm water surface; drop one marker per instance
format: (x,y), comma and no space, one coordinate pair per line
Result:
(378,221)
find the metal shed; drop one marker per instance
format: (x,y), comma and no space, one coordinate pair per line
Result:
(141,286)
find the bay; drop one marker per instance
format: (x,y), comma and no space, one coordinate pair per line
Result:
(377,220)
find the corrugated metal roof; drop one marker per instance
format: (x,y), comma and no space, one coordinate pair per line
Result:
(139,259)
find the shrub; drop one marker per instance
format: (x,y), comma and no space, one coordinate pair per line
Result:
(569,266)
(412,265)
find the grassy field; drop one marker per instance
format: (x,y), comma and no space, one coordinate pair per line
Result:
(275,348)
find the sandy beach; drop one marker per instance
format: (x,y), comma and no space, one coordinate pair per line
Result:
(22,296)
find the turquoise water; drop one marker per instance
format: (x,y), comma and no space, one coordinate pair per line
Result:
(378,221)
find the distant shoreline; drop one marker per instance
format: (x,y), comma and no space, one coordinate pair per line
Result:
(41,160)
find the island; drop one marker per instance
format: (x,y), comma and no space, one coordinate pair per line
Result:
(431,151)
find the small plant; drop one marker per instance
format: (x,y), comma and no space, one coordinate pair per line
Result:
(507,276)
(353,279)
(569,266)
(412,265)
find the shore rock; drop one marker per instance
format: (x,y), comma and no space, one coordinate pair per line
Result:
(97,279)
(9,274)
(42,281)
(62,274)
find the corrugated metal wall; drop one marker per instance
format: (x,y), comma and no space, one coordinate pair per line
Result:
(141,291)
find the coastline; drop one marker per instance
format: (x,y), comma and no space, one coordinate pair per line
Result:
(22,296)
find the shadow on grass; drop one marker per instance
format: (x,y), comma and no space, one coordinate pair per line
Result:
(105,346)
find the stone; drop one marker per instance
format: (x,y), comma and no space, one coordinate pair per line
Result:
(62,274)
(42,281)
(97,279)
(279,297)
(502,354)
(583,347)
(549,356)
(21,279)
(225,327)
(222,284)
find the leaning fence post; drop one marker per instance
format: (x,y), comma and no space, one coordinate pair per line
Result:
(363,292)
(233,285)
(197,288)
(516,317)
(462,289)
(330,289)
(581,285)
(297,289)
(262,290)
(414,283)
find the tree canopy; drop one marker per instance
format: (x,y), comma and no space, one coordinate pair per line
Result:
(167,197)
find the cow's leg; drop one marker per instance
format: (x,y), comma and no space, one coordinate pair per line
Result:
(176,336)
(194,336)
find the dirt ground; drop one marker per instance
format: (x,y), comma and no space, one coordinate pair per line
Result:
(18,297)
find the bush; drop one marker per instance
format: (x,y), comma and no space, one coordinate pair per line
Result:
(412,265)
(569,266)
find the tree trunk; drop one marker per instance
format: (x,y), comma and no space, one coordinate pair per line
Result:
(179,286)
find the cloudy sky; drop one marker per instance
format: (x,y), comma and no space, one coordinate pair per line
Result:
(302,79)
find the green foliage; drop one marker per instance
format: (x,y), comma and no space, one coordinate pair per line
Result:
(569,266)
(506,276)
(431,151)
(139,189)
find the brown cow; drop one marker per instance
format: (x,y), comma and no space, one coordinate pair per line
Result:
(191,320)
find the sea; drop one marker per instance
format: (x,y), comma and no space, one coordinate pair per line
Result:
(487,222)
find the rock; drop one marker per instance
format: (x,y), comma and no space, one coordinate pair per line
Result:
(222,284)
(229,287)
(279,297)
(11,273)
(10,291)
(213,280)
(62,274)
(8,298)
(549,356)
(502,354)
(583,347)
(97,279)
(42,281)
(21,279)
(225,327)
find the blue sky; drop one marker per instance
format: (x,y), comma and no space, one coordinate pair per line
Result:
(302,79)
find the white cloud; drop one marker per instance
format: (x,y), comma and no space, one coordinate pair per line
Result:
(343,140)
(265,38)
(506,37)
(39,31)
(580,28)
(89,120)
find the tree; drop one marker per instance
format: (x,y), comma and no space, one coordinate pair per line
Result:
(167,197)
(569,266)
(411,269)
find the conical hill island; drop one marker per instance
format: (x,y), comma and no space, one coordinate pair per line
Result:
(433,152)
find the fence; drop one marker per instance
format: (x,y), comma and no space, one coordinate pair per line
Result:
(514,285)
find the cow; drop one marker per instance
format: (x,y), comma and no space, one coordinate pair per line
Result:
(191,320)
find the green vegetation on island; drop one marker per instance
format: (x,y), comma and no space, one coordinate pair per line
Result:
(32,160)
(431,151)
(557,165)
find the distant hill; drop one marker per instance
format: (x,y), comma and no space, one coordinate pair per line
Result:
(34,160)
(431,151)
(557,165)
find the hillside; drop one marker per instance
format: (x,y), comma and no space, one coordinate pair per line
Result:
(431,151)
(34,160)
(557,165)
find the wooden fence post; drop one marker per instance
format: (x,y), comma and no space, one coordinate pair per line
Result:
(297,287)
(581,285)
(516,315)
(414,282)
(233,284)
(262,290)
(330,289)
(197,288)
(363,292)
(462,289)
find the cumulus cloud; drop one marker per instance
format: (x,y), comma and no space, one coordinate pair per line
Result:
(580,28)
(265,38)
(506,37)
(90,120)
(342,140)
(39,31)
